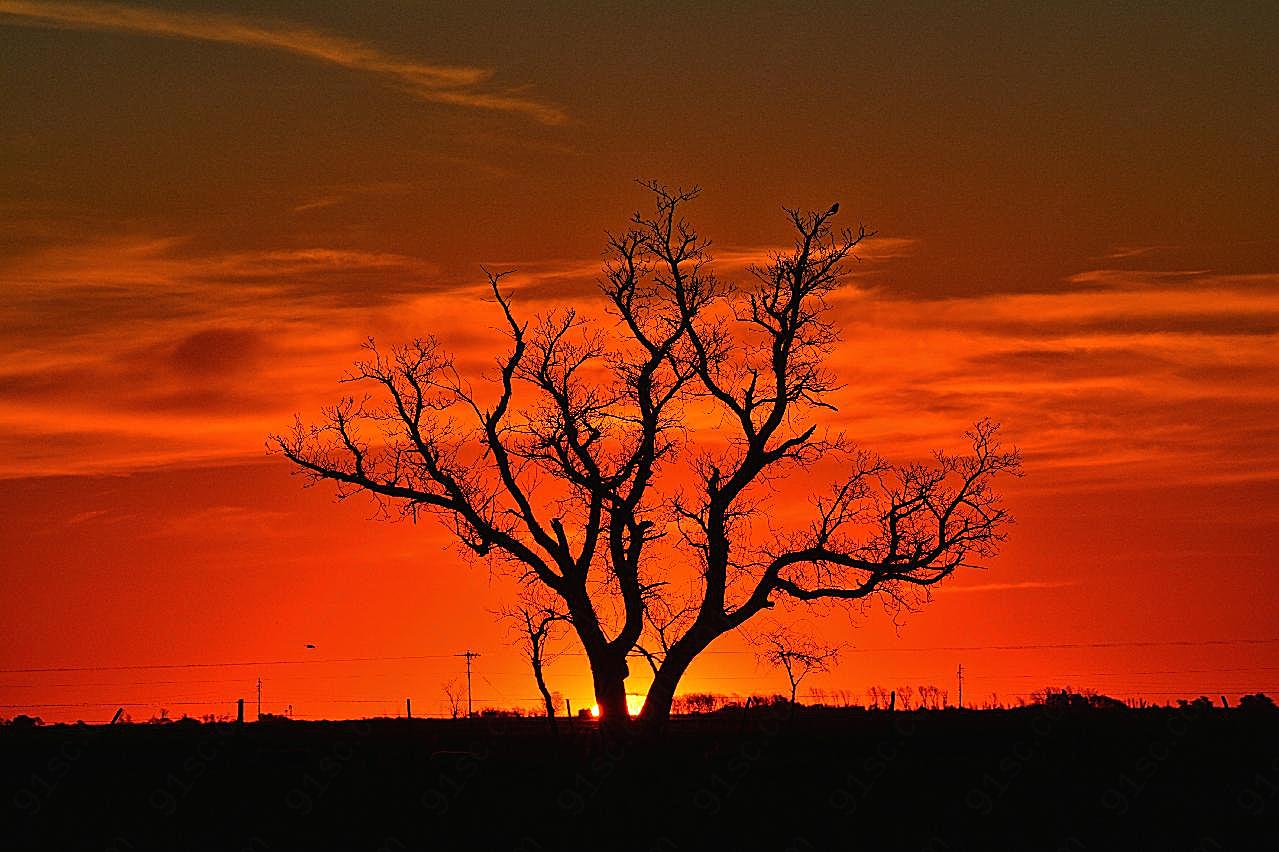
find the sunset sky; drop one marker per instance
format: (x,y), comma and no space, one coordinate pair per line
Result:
(204,209)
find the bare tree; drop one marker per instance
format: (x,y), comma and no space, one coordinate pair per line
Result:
(627,468)
(454,697)
(795,654)
(539,626)
(929,697)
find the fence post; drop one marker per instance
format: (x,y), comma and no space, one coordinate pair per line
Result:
(239,711)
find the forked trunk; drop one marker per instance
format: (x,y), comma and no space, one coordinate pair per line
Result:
(610,694)
(657,705)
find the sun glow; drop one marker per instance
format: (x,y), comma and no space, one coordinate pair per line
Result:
(634,704)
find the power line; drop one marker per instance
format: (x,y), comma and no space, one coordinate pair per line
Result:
(209,702)
(392,702)
(1194,643)
(1127,674)
(523,673)
(240,680)
(150,666)
(886,649)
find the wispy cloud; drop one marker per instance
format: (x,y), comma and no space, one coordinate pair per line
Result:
(319,203)
(557,279)
(458,85)
(81,517)
(877,250)
(228,520)
(1128,252)
(1129,377)
(148,350)
(142,352)
(1007,587)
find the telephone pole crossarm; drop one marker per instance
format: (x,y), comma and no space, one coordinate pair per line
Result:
(469,655)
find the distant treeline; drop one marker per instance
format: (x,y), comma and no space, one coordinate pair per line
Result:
(880,699)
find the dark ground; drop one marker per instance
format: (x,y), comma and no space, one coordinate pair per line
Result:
(1033,779)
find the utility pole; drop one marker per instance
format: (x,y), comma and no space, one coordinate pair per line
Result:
(960,673)
(470,655)
(259,699)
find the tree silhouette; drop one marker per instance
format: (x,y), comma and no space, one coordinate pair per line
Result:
(796,655)
(538,625)
(1256,702)
(630,468)
(930,697)
(454,696)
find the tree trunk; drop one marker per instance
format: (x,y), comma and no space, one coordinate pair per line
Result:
(610,693)
(657,705)
(546,695)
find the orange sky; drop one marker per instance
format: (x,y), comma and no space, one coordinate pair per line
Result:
(203,211)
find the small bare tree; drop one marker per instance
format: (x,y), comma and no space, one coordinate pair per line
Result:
(539,627)
(454,696)
(795,654)
(627,468)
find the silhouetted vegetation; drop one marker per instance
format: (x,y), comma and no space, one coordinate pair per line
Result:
(795,654)
(23,721)
(538,626)
(1257,701)
(1074,773)
(1087,699)
(581,457)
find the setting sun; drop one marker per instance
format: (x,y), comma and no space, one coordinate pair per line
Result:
(634,704)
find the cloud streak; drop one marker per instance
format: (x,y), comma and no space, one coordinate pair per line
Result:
(131,353)
(1141,377)
(457,85)
(1015,586)
(146,351)
(554,280)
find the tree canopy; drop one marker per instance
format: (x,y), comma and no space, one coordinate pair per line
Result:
(628,466)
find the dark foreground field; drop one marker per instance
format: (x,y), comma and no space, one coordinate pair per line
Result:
(1038,778)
